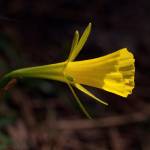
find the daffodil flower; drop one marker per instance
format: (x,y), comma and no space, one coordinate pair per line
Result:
(113,72)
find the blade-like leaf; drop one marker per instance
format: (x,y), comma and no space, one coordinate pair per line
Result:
(78,100)
(81,43)
(84,90)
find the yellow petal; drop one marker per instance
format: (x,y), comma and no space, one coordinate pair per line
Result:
(81,43)
(74,43)
(78,100)
(84,90)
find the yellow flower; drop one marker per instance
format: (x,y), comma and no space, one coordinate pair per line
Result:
(113,72)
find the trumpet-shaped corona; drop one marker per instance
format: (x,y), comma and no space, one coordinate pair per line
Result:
(113,72)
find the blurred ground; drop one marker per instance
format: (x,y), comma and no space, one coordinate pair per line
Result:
(42,115)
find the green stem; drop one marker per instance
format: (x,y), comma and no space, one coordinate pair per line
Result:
(52,71)
(4,80)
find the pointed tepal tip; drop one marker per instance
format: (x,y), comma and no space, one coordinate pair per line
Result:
(88,28)
(90,24)
(77,32)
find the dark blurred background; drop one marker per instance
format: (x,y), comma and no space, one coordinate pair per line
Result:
(43,115)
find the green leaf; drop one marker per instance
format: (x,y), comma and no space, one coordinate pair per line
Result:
(84,90)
